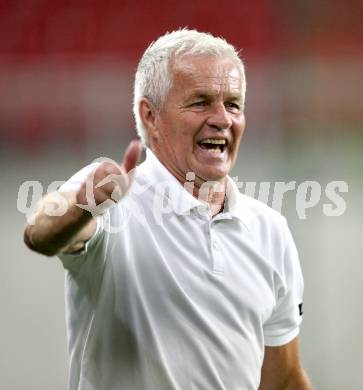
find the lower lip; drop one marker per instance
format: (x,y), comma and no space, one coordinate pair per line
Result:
(207,155)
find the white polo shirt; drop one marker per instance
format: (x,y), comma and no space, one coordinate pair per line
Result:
(165,297)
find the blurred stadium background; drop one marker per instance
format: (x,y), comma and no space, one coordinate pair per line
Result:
(66,75)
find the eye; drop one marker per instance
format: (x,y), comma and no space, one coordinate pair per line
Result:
(199,103)
(233,106)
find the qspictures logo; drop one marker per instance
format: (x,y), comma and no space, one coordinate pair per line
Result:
(308,195)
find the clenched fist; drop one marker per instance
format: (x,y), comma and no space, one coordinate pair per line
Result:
(109,182)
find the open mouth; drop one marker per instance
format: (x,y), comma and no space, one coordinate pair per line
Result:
(213,145)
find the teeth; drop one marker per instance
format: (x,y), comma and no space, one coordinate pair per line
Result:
(213,141)
(217,150)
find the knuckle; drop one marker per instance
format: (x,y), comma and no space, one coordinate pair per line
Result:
(110,168)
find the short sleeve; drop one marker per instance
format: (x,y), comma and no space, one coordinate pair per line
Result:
(73,261)
(92,248)
(283,325)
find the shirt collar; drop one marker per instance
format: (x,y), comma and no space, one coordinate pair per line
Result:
(236,205)
(167,186)
(182,201)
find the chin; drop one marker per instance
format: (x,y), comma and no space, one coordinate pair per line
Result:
(214,174)
(212,170)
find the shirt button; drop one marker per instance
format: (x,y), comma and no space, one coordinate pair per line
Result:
(215,245)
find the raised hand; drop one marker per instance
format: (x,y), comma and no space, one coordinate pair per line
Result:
(109,182)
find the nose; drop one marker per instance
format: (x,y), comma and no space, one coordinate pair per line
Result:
(220,118)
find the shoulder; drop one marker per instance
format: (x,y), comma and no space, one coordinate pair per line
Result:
(267,228)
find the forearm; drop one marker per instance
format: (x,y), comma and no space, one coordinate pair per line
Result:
(298,381)
(282,368)
(50,234)
(73,226)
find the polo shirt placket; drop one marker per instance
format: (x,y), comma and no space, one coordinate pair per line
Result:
(217,254)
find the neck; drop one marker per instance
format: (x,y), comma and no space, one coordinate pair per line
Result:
(211,192)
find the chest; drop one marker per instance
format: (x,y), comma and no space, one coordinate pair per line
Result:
(212,265)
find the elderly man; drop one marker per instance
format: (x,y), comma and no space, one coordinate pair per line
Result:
(175,280)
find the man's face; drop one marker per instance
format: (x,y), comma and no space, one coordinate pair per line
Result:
(201,123)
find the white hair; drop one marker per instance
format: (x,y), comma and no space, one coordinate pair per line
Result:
(153,77)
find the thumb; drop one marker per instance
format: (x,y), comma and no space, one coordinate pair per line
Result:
(132,155)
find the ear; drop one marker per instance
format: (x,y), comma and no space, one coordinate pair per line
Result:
(148,115)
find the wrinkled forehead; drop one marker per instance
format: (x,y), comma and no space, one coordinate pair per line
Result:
(202,71)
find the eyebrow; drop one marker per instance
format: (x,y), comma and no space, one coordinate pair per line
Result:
(207,95)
